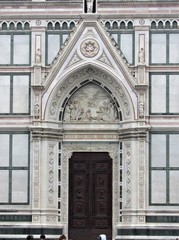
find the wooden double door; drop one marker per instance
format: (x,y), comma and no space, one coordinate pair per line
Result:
(90,195)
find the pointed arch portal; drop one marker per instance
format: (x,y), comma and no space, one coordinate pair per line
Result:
(122,98)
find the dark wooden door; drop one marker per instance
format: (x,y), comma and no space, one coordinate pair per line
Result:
(90,195)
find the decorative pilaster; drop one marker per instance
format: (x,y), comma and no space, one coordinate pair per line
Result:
(142,56)
(134,174)
(51,172)
(44,188)
(38,36)
(51,165)
(127,174)
(36,180)
(141,177)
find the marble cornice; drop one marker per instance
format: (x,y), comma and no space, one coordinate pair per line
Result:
(137,133)
(162,68)
(46,133)
(141,87)
(40,10)
(38,87)
(134,3)
(9,69)
(31,4)
(138,9)
(34,16)
(59,134)
(137,15)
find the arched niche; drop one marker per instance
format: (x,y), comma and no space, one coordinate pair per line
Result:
(90,101)
(65,90)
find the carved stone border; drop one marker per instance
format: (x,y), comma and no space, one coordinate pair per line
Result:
(36,180)
(36,177)
(127,173)
(141,174)
(68,149)
(51,170)
(66,86)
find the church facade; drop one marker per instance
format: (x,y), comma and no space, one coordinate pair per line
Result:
(89,119)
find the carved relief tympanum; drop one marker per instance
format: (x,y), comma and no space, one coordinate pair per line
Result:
(90,104)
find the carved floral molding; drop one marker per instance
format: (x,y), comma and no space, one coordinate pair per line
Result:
(65,88)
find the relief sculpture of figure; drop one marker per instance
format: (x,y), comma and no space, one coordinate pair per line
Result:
(38,56)
(90,104)
(36,110)
(141,56)
(89,6)
(141,110)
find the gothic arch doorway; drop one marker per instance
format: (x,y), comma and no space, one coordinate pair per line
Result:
(90,195)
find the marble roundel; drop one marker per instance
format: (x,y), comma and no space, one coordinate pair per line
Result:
(89,48)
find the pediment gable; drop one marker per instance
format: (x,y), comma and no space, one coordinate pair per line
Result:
(90,44)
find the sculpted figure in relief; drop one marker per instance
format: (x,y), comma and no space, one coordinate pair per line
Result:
(90,104)
(89,6)
(141,110)
(38,56)
(36,110)
(141,56)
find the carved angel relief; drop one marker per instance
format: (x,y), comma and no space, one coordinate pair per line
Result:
(90,104)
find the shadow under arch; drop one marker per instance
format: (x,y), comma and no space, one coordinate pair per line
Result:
(85,83)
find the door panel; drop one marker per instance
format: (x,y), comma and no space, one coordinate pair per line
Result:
(90,196)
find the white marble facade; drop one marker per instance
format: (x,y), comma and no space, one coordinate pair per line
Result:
(81,92)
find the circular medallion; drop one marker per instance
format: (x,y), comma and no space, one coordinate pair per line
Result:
(89,48)
(38,22)
(141,21)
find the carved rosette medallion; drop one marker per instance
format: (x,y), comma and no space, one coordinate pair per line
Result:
(142,21)
(89,48)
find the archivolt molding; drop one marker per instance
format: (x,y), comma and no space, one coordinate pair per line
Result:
(68,149)
(62,92)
